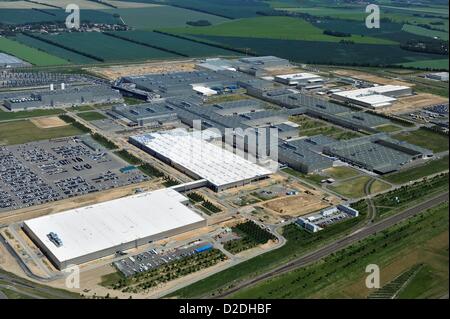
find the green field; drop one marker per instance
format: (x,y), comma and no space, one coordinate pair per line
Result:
(283,28)
(342,275)
(341,172)
(428,64)
(24,131)
(162,17)
(425,32)
(425,138)
(427,283)
(354,188)
(111,49)
(91,116)
(31,55)
(6,116)
(429,168)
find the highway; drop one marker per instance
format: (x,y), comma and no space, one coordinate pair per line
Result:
(339,244)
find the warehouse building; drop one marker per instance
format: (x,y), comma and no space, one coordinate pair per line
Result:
(85,234)
(378,153)
(301,79)
(63,97)
(200,159)
(373,97)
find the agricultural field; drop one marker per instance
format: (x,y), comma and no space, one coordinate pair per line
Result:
(53,49)
(162,17)
(285,28)
(181,46)
(423,238)
(111,49)
(31,55)
(425,138)
(24,131)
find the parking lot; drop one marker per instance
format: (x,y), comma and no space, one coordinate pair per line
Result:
(45,171)
(153,259)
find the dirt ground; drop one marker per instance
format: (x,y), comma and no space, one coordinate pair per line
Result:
(370,77)
(296,205)
(48,122)
(414,102)
(116,71)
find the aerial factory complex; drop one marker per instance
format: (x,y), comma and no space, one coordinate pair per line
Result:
(210,167)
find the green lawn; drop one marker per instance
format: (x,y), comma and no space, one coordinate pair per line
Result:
(24,131)
(429,168)
(91,116)
(341,172)
(425,138)
(342,274)
(354,188)
(283,28)
(388,128)
(313,178)
(29,54)
(5,116)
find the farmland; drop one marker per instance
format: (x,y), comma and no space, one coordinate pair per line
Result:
(161,17)
(181,46)
(91,116)
(111,49)
(285,28)
(31,55)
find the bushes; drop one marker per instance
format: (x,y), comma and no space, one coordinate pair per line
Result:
(196,197)
(251,236)
(130,158)
(211,207)
(151,170)
(104,141)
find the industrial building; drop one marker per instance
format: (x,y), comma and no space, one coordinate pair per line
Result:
(64,97)
(326,217)
(378,153)
(85,234)
(299,79)
(200,159)
(373,97)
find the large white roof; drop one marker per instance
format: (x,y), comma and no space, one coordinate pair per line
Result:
(211,162)
(94,228)
(372,95)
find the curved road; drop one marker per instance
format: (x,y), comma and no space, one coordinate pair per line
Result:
(340,244)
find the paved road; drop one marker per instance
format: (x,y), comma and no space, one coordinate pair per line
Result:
(340,244)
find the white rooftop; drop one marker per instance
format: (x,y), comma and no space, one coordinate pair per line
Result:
(101,226)
(211,162)
(372,95)
(298,76)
